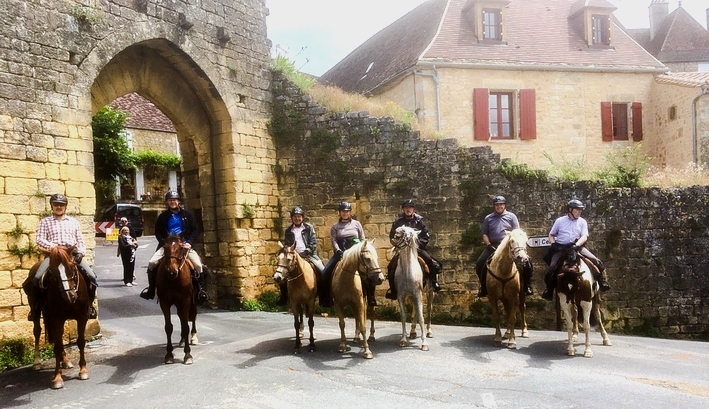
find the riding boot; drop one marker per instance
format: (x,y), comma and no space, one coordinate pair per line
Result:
(482,292)
(603,281)
(324,297)
(198,281)
(93,314)
(370,287)
(149,292)
(550,281)
(391,292)
(283,299)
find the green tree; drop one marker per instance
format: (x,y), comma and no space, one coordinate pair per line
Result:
(112,156)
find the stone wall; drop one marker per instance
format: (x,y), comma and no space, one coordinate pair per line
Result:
(653,241)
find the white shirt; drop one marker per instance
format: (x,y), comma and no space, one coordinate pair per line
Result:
(299,243)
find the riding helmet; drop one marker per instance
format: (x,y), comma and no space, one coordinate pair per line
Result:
(297,210)
(499,199)
(408,203)
(344,206)
(58,198)
(171,194)
(574,204)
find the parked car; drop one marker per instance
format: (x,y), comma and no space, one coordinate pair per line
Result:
(133,212)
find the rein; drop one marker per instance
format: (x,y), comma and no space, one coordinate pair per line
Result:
(182,260)
(288,269)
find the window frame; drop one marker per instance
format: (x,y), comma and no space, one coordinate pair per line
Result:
(604,31)
(499,114)
(496,24)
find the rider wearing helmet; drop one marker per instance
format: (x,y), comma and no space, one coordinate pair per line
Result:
(344,234)
(175,220)
(59,230)
(306,244)
(494,227)
(409,217)
(570,231)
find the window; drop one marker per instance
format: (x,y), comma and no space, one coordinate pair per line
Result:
(615,120)
(492,24)
(601,29)
(499,115)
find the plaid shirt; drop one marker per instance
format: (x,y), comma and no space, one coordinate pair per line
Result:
(60,232)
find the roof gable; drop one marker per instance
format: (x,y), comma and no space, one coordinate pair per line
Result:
(142,113)
(680,38)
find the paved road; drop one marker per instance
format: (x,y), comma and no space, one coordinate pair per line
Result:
(245,360)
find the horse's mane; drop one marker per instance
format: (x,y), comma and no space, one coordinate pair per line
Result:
(62,253)
(351,255)
(516,234)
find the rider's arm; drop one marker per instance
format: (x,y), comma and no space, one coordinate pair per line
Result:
(486,240)
(41,238)
(582,240)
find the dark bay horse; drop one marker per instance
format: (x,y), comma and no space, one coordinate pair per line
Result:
(66,298)
(360,259)
(505,284)
(173,284)
(302,289)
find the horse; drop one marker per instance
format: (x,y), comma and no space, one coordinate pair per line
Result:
(173,284)
(347,290)
(66,298)
(302,289)
(576,288)
(408,279)
(504,284)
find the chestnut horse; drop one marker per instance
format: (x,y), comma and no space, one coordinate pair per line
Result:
(302,289)
(65,295)
(360,259)
(504,284)
(173,284)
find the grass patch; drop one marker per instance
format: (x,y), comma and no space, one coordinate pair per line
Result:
(17,352)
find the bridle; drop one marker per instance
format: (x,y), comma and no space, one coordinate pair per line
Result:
(181,260)
(285,269)
(362,262)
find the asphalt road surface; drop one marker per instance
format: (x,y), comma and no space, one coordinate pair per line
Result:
(246,360)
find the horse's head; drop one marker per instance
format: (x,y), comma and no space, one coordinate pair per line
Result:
(286,260)
(405,236)
(369,259)
(175,255)
(62,271)
(517,243)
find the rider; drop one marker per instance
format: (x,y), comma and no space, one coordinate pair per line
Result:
(408,217)
(570,231)
(59,230)
(305,239)
(494,227)
(344,234)
(175,220)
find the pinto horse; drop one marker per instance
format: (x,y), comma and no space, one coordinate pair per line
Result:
(504,284)
(302,289)
(360,259)
(66,298)
(576,289)
(408,279)
(173,284)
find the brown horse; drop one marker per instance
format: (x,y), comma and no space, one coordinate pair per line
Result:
(347,289)
(302,289)
(173,284)
(504,284)
(66,297)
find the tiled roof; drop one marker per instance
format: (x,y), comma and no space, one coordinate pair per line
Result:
(687,79)
(680,38)
(143,114)
(538,34)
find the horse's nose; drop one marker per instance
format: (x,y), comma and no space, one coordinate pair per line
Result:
(277,277)
(380,278)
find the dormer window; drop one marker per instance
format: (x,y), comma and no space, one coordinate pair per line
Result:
(601,29)
(592,20)
(492,24)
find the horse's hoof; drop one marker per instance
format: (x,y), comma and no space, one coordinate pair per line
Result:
(588,353)
(512,345)
(607,342)
(575,338)
(424,347)
(169,359)
(571,352)
(342,349)
(181,344)
(498,343)
(403,343)
(312,348)
(525,334)
(57,385)
(368,355)
(429,335)
(194,341)
(371,339)
(36,367)
(188,360)
(67,365)
(83,376)
(413,335)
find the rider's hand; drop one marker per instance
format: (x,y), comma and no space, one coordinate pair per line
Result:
(186,246)
(338,252)
(77,257)
(305,253)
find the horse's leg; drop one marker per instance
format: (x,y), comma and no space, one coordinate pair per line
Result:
(599,318)
(575,317)
(511,312)
(429,313)
(57,332)
(169,357)
(568,311)
(361,313)
(310,311)
(403,342)
(418,305)
(184,315)
(587,306)
(370,314)
(341,316)
(413,334)
(81,343)
(193,317)
(495,319)
(523,313)
(37,333)
(297,324)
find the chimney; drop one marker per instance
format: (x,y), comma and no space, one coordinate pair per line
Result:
(659,9)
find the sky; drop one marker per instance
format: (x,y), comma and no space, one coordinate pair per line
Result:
(317,34)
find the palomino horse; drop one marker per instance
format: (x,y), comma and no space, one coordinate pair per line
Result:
(408,279)
(302,289)
(347,289)
(577,288)
(504,284)
(174,287)
(66,295)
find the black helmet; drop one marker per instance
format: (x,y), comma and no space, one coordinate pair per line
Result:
(297,210)
(171,194)
(58,198)
(408,203)
(574,204)
(499,199)
(344,206)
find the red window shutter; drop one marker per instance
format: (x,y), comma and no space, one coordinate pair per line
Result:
(637,108)
(607,121)
(527,114)
(481,114)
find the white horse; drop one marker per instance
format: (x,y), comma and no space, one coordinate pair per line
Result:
(577,288)
(408,279)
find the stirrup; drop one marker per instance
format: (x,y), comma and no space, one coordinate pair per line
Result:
(202,296)
(548,294)
(147,294)
(92,313)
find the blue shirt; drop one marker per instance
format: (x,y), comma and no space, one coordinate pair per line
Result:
(567,230)
(174,224)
